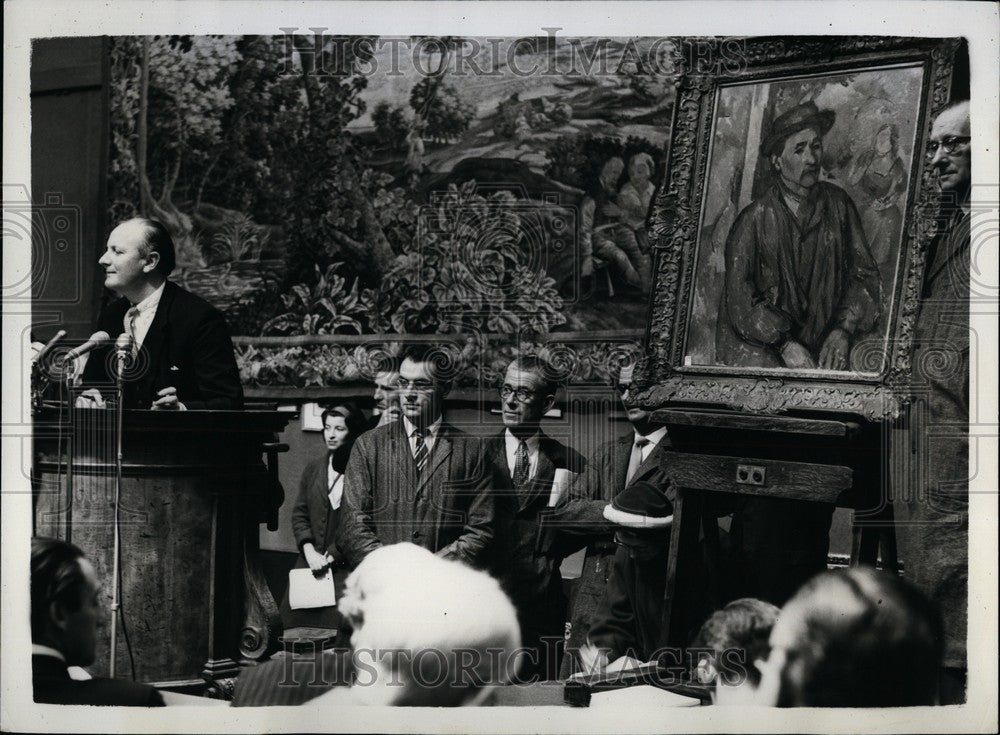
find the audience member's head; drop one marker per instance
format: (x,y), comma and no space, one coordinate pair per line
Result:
(951,150)
(385,376)
(854,638)
(424,381)
(640,418)
(65,600)
(527,392)
(427,631)
(738,636)
(343,423)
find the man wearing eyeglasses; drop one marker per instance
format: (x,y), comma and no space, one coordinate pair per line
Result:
(579,516)
(933,516)
(419,479)
(530,469)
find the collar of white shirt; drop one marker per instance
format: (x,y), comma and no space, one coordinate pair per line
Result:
(654,437)
(511,443)
(37,649)
(151,301)
(430,434)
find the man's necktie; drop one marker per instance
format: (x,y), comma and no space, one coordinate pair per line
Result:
(130,316)
(521,464)
(636,459)
(420,453)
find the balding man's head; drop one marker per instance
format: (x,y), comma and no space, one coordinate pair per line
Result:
(139,256)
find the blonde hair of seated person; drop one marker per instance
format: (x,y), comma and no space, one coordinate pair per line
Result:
(427,632)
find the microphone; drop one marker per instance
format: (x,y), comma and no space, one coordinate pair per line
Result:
(123,348)
(97,339)
(123,343)
(47,348)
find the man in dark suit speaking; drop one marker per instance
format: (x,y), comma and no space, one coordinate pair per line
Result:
(182,355)
(418,479)
(64,614)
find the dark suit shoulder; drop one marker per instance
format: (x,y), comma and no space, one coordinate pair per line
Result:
(562,456)
(182,304)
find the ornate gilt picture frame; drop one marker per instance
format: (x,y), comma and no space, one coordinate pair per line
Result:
(793,220)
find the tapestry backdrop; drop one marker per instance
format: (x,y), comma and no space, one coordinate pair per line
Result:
(496,188)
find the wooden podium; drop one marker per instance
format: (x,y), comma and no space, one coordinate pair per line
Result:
(195,487)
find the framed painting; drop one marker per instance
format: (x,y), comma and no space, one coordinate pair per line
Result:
(792,224)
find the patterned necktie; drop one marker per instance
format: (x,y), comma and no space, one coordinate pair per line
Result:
(130,316)
(521,464)
(636,459)
(420,452)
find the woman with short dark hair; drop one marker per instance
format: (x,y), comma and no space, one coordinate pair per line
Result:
(315,514)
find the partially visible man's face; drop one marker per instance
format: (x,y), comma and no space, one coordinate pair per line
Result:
(516,413)
(125,267)
(79,627)
(954,169)
(386,399)
(420,395)
(635,413)
(798,162)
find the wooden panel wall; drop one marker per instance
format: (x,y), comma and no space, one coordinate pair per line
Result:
(69,158)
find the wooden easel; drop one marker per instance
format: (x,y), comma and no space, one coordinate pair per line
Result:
(838,460)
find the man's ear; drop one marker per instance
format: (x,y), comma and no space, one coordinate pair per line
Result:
(152,261)
(58,615)
(550,401)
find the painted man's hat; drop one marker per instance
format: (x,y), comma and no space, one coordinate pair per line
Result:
(800,117)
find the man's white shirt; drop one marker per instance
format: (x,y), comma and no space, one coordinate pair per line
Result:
(144,319)
(430,435)
(511,443)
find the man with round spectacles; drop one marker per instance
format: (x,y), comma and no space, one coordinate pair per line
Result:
(933,518)
(530,467)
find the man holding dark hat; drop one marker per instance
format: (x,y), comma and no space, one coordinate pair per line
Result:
(801,282)
(627,621)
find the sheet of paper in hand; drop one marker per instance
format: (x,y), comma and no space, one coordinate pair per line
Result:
(306,590)
(560,484)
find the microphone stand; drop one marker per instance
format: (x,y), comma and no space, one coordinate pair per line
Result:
(68,377)
(121,352)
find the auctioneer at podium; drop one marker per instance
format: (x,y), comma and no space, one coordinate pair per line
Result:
(194,489)
(181,352)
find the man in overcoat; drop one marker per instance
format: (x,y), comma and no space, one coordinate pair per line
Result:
(932,515)
(419,479)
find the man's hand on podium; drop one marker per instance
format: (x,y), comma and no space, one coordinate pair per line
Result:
(167,400)
(90,398)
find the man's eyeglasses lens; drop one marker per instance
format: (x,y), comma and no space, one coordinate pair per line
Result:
(950,144)
(623,387)
(522,394)
(403,384)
